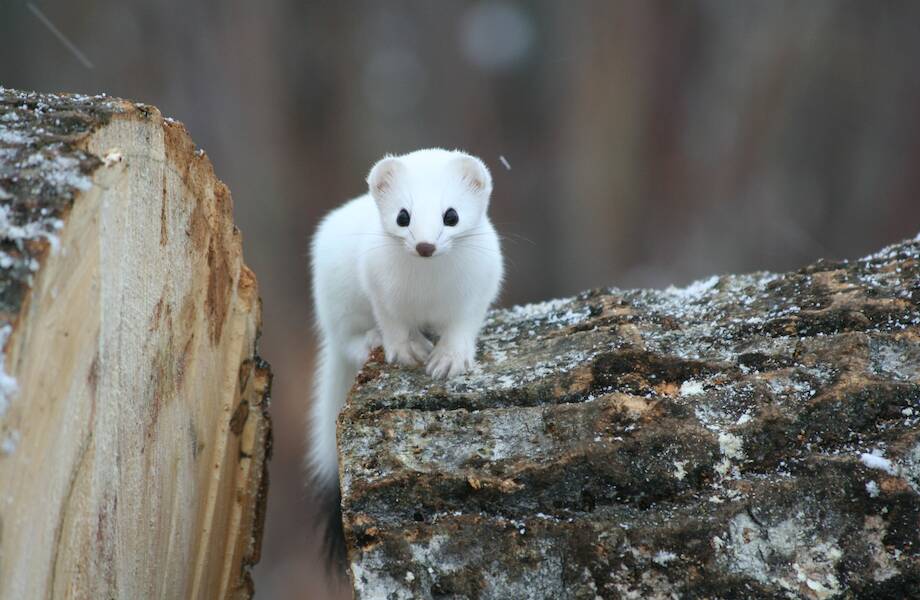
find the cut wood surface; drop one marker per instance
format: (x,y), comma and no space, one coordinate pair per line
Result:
(134,431)
(748,436)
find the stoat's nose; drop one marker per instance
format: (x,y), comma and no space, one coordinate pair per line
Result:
(424,249)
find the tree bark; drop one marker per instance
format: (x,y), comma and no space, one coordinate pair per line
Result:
(134,430)
(746,436)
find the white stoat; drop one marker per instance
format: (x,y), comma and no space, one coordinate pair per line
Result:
(416,254)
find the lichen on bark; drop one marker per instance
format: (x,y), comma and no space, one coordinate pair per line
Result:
(42,166)
(710,441)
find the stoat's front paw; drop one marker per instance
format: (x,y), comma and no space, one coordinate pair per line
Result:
(373,340)
(410,353)
(448,361)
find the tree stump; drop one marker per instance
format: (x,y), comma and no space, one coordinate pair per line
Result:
(134,431)
(748,436)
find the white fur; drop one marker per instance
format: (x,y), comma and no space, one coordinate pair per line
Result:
(371,286)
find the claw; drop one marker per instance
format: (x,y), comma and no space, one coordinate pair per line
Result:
(420,348)
(446,362)
(410,353)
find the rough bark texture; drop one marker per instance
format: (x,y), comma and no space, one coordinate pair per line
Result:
(134,431)
(746,436)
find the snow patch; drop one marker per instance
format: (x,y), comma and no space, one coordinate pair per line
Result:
(31,230)
(731,446)
(911,468)
(61,171)
(11,137)
(9,443)
(8,385)
(695,290)
(691,387)
(679,472)
(875,460)
(663,557)
(556,312)
(372,582)
(787,554)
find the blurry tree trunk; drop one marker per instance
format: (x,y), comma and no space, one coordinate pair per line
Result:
(134,430)
(780,125)
(750,436)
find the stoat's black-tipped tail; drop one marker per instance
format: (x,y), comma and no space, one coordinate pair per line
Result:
(328,521)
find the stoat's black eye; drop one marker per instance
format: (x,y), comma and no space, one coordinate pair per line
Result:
(451,217)
(402,219)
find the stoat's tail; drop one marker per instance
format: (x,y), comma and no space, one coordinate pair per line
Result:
(333,378)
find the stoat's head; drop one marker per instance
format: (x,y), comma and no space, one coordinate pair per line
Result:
(430,199)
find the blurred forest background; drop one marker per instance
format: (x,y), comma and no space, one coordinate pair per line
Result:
(649,142)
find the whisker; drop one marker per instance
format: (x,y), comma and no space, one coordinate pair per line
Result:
(511,234)
(510,237)
(378,247)
(483,249)
(465,236)
(518,237)
(368,233)
(488,252)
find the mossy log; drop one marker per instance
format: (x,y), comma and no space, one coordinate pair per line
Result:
(748,436)
(134,431)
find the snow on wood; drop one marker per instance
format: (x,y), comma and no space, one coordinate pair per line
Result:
(709,441)
(133,404)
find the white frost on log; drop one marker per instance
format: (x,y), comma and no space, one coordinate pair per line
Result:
(703,442)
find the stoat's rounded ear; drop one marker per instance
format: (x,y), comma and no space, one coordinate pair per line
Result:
(382,178)
(475,174)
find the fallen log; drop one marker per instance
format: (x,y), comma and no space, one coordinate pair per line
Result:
(134,431)
(748,436)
